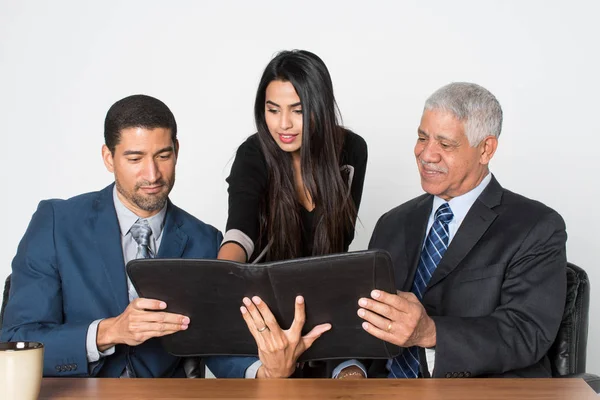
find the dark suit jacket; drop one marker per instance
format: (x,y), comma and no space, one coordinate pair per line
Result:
(498,294)
(69,271)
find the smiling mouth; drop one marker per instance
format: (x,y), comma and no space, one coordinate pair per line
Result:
(433,171)
(287,137)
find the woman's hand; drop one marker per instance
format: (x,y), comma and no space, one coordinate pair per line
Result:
(278,350)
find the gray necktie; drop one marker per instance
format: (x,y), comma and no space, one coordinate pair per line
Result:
(141,232)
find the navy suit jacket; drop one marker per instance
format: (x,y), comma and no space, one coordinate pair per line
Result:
(69,271)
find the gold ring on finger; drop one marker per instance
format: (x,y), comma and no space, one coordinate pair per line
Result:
(389,328)
(264,328)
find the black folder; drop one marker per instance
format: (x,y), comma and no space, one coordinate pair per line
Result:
(210,292)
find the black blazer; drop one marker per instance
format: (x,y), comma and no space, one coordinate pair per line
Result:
(498,294)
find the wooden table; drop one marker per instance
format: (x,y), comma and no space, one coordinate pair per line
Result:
(305,389)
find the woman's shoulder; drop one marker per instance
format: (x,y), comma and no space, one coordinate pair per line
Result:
(250,144)
(354,145)
(250,148)
(249,158)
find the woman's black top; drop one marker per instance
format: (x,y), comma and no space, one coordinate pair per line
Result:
(248,185)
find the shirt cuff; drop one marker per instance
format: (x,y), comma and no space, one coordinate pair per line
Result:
(93,354)
(243,240)
(430,357)
(347,364)
(252,370)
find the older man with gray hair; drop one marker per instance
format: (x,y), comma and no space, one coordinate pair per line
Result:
(480,270)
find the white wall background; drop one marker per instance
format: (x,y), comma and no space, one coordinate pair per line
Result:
(63,63)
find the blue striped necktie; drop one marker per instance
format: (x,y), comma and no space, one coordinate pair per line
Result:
(406,365)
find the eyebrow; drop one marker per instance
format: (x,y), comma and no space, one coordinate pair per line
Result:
(141,153)
(277,105)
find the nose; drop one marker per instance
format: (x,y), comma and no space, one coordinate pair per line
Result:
(151,171)
(285,121)
(428,152)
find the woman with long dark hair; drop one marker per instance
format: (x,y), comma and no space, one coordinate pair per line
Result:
(294,189)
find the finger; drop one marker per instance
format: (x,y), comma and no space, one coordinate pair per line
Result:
(375,319)
(169,318)
(378,333)
(251,326)
(314,334)
(158,327)
(148,304)
(266,314)
(394,300)
(382,309)
(152,334)
(299,316)
(257,318)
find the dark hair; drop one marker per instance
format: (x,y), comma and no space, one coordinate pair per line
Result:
(322,141)
(140,111)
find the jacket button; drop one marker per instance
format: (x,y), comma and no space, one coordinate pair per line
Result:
(467,374)
(57,368)
(461,374)
(455,375)
(74,367)
(449,375)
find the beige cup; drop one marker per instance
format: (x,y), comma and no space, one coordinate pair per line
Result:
(21,366)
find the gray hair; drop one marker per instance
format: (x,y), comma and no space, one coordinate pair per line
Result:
(474,105)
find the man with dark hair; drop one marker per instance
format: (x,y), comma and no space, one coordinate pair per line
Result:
(481,271)
(69,286)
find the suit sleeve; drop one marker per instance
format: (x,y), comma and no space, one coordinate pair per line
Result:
(522,328)
(34,311)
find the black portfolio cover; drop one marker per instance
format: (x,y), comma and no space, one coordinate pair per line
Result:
(210,292)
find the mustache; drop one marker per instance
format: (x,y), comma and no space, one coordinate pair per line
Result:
(160,182)
(433,167)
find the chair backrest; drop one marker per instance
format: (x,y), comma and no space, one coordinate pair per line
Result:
(568,353)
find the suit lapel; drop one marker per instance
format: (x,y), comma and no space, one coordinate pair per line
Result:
(107,237)
(415,231)
(174,238)
(476,223)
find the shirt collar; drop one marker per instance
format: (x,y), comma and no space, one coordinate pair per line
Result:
(127,218)
(461,205)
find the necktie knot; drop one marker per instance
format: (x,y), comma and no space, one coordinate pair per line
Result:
(444,213)
(141,232)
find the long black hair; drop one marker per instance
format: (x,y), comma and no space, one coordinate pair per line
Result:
(322,141)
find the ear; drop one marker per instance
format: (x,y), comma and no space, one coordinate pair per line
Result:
(107,157)
(487,147)
(176,148)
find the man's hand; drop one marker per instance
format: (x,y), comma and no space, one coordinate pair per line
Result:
(397,318)
(140,321)
(278,350)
